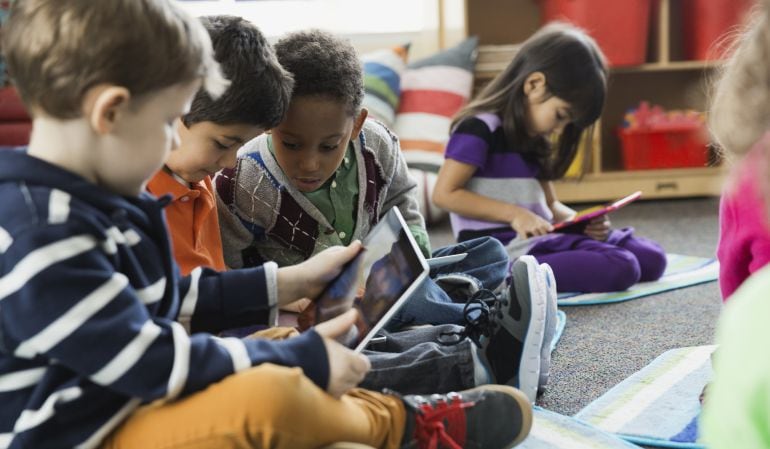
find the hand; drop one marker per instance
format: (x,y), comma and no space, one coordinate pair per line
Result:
(346,367)
(598,228)
(296,306)
(528,224)
(307,279)
(562,212)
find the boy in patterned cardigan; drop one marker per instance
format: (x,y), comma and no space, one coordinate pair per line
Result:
(325,175)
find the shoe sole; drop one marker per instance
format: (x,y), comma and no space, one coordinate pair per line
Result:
(550,323)
(529,367)
(524,405)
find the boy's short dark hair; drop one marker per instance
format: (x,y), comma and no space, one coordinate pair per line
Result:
(323,65)
(58,49)
(260,89)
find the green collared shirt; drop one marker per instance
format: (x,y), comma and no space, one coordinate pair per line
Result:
(337,199)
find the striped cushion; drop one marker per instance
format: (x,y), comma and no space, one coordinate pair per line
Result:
(433,90)
(382,82)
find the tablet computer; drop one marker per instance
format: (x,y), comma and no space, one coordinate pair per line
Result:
(377,281)
(580,220)
(440,261)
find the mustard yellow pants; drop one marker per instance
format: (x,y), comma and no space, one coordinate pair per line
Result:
(267,406)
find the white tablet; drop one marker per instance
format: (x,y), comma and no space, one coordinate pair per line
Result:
(440,261)
(378,281)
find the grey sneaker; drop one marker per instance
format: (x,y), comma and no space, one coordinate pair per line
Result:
(486,417)
(510,339)
(551,308)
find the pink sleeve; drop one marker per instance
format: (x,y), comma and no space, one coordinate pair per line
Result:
(732,263)
(744,228)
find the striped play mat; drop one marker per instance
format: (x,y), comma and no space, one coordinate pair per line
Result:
(554,431)
(659,405)
(681,271)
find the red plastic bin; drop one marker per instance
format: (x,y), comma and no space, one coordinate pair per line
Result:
(15,123)
(706,24)
(620,27)
(670,148)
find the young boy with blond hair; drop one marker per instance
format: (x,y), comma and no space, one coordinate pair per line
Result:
(101,344)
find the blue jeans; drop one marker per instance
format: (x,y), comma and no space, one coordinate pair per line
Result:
(440,299)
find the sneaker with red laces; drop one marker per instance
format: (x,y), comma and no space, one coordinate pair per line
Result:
(486,417)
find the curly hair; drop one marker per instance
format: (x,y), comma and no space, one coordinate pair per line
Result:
(323,65)
(260,88)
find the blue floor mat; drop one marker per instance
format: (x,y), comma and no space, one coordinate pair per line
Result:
(681,271)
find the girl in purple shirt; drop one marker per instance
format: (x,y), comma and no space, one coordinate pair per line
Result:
(500,161)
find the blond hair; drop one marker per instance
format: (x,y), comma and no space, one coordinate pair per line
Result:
(57,49)
(740,106)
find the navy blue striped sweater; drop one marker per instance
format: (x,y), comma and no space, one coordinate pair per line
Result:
(94,317)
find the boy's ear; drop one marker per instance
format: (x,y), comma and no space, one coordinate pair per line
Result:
(534,85)
(359,123)
(103,104)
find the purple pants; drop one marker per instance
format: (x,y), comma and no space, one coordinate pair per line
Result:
(582,264)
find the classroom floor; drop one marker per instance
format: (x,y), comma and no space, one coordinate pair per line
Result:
(602,345)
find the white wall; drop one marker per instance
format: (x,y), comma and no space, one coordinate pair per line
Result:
(369,24)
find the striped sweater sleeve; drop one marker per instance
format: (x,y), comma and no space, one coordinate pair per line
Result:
(469,142)
(63,300)
(213,302)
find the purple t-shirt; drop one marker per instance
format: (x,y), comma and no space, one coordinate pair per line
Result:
(503,174)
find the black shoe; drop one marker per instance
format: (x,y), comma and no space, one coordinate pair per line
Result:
(486,417)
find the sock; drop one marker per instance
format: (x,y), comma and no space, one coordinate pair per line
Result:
(481,374)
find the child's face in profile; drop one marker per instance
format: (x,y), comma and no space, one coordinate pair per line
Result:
(311,142)
(141,138)
(547,117)
(207,147)
(546,114)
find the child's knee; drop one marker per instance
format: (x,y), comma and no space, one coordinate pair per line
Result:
(621,272)
(265,393)
(652,263)
(494,248)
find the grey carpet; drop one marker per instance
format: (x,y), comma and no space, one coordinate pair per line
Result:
(602,345)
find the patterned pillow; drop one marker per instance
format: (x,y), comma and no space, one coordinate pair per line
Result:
(433,90)
(382,82)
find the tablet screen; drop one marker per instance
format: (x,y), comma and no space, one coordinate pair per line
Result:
(377,281)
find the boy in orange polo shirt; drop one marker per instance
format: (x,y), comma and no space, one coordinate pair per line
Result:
(211,134)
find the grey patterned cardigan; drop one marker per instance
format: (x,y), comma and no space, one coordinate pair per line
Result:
(263,217)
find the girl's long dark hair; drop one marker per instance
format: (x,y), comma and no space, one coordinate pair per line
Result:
(575,71)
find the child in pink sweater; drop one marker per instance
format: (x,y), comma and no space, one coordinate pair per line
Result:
(744,231)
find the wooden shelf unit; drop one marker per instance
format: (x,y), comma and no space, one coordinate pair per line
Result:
(666,79)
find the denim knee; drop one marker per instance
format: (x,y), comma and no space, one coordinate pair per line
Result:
(493,251)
